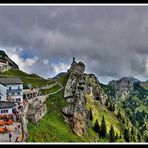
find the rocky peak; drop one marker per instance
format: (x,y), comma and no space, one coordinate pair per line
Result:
(77,68)
(76,88)
(123,87)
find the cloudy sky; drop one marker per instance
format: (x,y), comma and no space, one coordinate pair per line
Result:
(112,41)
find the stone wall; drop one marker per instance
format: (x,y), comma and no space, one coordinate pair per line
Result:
(25,123)
(39,109)
(36,113)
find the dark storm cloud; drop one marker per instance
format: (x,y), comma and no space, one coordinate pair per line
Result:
(111,40)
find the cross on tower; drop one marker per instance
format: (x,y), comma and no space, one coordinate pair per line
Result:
(73,59)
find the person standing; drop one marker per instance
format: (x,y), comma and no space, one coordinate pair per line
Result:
(10,137)
(17,139)
(16,131)
(0,138)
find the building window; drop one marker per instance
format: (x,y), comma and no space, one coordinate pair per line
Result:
(9,88)
(6,111)
(18,100)
(18,87)
(0,98)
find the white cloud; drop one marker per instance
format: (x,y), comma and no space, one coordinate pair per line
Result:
(31,61)
(60,67)
(45,61)
(34,64)
(146,66)
(25,65)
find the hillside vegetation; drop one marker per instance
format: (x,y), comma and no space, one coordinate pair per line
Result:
(53,128)
(34,79)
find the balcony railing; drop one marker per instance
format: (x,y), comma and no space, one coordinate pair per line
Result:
(14,90)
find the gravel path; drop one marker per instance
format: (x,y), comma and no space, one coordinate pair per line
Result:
(5,137)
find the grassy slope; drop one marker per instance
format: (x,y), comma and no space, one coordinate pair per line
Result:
(52,128)
(99,110)
(26,78)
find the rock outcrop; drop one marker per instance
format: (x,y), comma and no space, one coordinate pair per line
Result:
(76,88)
(123,87)
(6,63)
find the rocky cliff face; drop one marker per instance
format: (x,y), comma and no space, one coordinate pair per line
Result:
(122,87)
(76,88)
(6,63)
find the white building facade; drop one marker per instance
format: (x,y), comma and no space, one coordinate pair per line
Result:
(3,92)
(15,92)
(7,107)
(11,89)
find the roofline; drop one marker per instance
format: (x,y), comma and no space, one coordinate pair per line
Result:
(8,107)
(3,84)
(13,83)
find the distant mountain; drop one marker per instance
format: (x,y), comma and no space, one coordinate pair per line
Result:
(123,87)
(133,80)
(6,63)
(59,75)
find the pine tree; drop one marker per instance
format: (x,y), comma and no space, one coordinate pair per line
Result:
(126,135)
(138,137)
(97,127)
(90,115)
(132,131)
(103,130)
(120,136)
(116,137)
(133,134)
(146,138)
(123,120)
(107,103)
(113,107)
(119,114)
(112,134)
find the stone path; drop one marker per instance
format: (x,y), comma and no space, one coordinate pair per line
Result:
(5,137)
(55,92)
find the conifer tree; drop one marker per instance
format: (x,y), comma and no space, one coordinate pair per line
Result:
(138,137)
(103,130)
(119,114)
(126,135)
(133,134)
(112,136)
(90,115)
(97,127)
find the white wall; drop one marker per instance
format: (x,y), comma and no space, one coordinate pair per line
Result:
(16,96)
(3,92)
